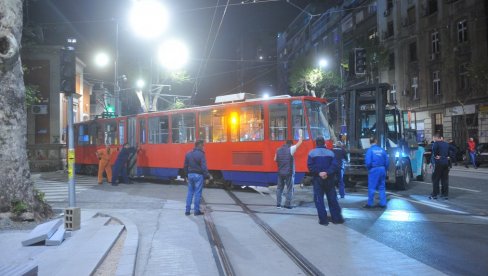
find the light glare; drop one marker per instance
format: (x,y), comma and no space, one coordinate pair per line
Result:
(173,54)
(149,18)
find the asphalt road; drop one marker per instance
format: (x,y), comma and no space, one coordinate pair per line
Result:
(449,235)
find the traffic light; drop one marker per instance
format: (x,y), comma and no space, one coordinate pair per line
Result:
(68,71)
(360,61)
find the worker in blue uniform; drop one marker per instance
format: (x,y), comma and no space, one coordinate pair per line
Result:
(377,163)
(441,153)
(322,165)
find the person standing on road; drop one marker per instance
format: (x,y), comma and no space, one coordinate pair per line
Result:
(377,163)
(440,162)
(323,165)
(286,170)
(120,166)
(341,157)
(195,168)
(104,156)
(471,152)
(454,150)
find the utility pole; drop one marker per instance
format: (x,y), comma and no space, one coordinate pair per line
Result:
(68,87)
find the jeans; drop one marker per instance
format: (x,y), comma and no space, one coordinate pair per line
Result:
(472,156)
(195,187)
(284,181)
(340,176)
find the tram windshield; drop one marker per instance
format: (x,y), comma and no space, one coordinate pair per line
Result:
(317,118)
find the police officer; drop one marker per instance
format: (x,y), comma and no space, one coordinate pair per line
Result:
(341,157)
(377,163)
(323,165)
(440,162)
(120,166)
(286,170)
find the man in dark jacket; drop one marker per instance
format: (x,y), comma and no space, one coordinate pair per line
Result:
(341,157)
(120,166)
(441,153)
(196,170)
(322,166)
(286,171)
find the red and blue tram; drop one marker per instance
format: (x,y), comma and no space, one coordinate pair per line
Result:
(241,138)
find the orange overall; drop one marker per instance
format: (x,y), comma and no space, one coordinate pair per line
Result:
(104,155)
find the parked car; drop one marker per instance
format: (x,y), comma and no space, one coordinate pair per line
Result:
(482,154)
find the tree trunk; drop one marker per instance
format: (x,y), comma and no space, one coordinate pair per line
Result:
(15,183)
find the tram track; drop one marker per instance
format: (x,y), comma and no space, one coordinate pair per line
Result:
(222,258)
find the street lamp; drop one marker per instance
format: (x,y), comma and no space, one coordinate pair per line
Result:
(149,18)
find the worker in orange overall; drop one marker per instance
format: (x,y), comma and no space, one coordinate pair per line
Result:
(104,155)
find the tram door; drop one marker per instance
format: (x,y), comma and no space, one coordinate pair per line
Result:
(131,139)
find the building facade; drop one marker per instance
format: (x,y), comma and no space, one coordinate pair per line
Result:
(433,53)
(47,119)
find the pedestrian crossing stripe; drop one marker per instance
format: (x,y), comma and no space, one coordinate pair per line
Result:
(56,190)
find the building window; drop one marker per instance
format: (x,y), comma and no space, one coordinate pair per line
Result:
(463,76)
(410,16)
(415,85)
(436,83)
(462,28)
(391,61)
(431,7)
(389,4)
(437,124)
(435,42)
(372,34)
(413,51)
(389,29)
(372,8)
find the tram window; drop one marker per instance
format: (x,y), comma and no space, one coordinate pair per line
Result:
(142,131)
(83,136)
(158,130)
(93,133)
(110,132)
(122,132)
(317,117)
(251,123)
(212,126)
(183,128)
(298,120)
(278,121)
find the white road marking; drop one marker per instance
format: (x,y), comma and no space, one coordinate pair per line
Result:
(453,187)
(430,204)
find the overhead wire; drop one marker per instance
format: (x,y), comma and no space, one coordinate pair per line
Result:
(195,85)
(215,39)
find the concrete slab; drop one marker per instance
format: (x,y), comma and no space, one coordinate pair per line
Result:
(42,232)
(58,237)
(25,269)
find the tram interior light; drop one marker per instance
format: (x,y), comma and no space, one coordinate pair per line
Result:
(233,118)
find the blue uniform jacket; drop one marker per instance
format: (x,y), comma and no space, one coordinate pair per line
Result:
(441,149)
(376,157)
(321,159)
(195,162)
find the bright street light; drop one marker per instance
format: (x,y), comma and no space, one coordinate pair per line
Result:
(101,59)
(173,54)
(323,63)
(140,83)
(149,18)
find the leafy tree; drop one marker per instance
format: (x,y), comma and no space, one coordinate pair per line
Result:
(16,186)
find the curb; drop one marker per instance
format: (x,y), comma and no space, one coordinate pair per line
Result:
(127,261)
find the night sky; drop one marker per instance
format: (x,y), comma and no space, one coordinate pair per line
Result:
(246,26)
